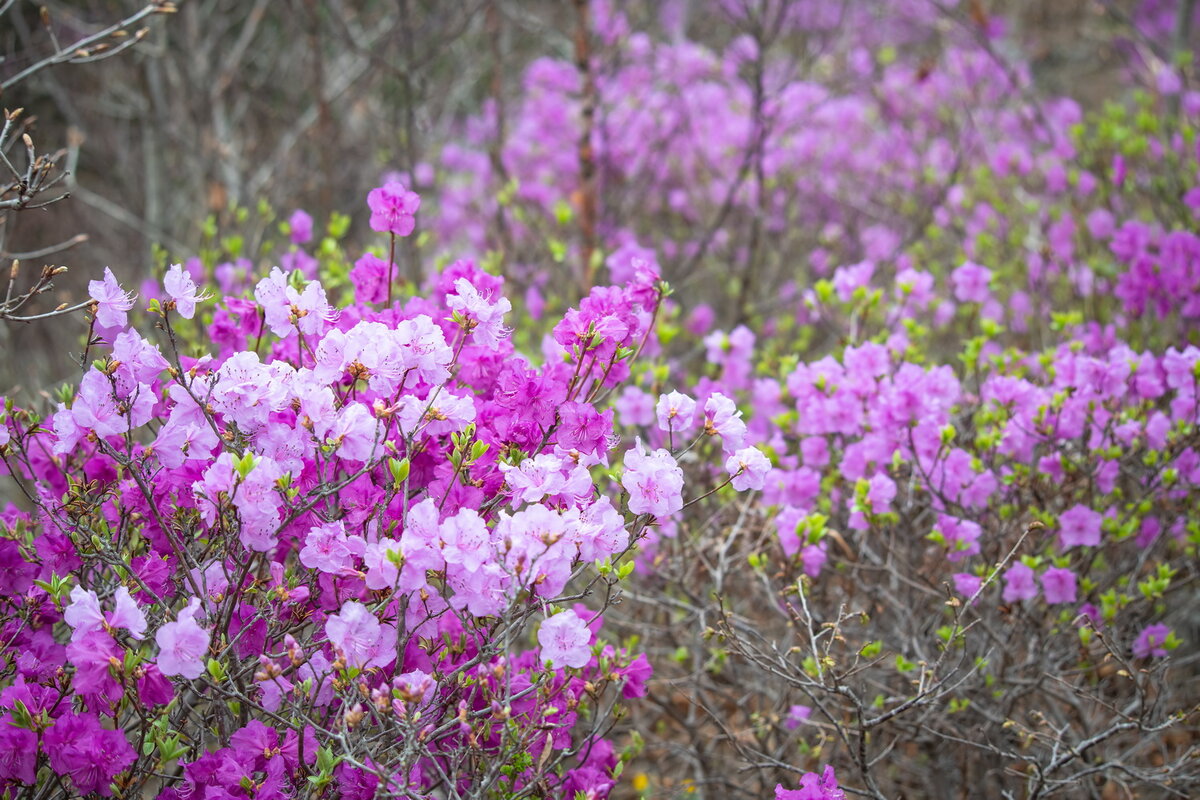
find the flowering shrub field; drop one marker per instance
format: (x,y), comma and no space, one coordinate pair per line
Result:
(812,414)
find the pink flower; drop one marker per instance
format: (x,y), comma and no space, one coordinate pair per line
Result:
(676,412)
(797,716)
(1079,525)
(393,208)
(357,633)
(966,584)
(111,302)
(971,283)
(813,787)
(483,317)
(1019,583)
(565,641)
(84,614)
(722,418)
(747,468)
(654,482)
(182,644)
(300,226)
(182,290)
(534,478)
(18,753)
(1151,640)
(369,277)
(78,747)
(1058,585)
(327,549)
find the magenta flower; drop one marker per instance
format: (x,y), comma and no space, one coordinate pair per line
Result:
(813,787)
(565,641)
(1058,585)
(300,227)
(797,716)
(1150,642)
(182,644)
(966,584)
(971,283)
(18,753)
(78,747)
(182,290)
(1019,583)
(1079,525)
(369,276)
(393,208)
(111,303)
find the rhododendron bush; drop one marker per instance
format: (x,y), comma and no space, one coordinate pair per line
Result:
(891,490)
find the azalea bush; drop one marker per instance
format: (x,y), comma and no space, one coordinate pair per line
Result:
(315,571)
(886,490)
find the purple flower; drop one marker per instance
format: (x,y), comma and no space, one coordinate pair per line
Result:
(1150,642)
(1019,583)
(182,644)
(393,208)
(78,747)
(18,753)
(1058,585)
(369,277)
(813,787)
(966,584)
(111,302)
(971,283)
(565,640)
(797,716)
(300,225)
(1079,525)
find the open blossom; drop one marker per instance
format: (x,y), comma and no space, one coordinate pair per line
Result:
(1019,583)
(182,290)
(484,317)
(747,468)
(971,283)
(723,418)
(91,755)
(1058,585)
(359,635)
(300,227)
(84,614)
(813,787)
(393,208)
(1151,640)
(182,644)
(676,412)
(565,640)
(111,303)
(1079,525)
(654,482)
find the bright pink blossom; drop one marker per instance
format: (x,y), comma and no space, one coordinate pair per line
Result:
(393,208)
